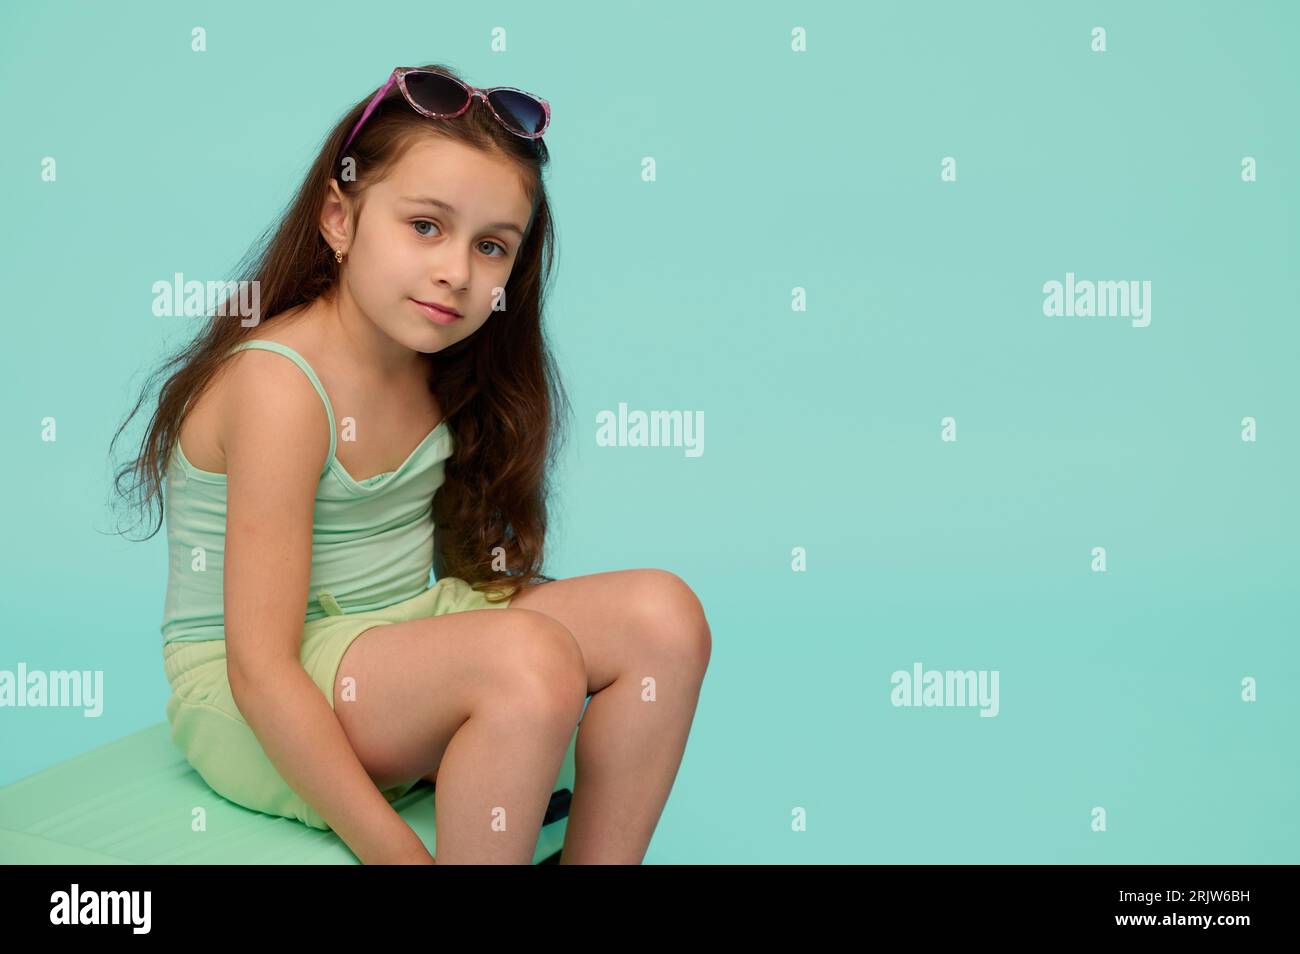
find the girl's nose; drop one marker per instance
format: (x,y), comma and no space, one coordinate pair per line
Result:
(451,268)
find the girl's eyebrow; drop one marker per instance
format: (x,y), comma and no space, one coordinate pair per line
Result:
(430,200)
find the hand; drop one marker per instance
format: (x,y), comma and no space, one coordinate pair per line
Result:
(406,854)
(420,857)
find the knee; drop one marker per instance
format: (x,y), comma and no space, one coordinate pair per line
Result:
(670,619)
(541,665)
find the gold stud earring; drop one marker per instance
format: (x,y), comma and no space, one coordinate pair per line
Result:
(338,255)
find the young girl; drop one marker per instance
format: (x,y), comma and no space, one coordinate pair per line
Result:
(401,355)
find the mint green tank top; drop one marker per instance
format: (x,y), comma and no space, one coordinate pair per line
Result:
(372,540)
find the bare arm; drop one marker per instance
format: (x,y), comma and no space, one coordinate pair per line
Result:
(302,737)
(275,434)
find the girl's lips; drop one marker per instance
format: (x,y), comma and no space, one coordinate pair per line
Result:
(436,313)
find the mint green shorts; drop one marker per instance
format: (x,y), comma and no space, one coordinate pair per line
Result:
(209,729)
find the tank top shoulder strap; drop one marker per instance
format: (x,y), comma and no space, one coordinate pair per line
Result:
(300,361)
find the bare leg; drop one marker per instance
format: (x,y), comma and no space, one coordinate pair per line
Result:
(632,626)
(486,702)
(495,782)
(627,757)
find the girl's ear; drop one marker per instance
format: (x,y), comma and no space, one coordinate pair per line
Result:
(334,216)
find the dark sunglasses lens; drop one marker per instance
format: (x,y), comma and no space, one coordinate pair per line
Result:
(519,110)
(436,93)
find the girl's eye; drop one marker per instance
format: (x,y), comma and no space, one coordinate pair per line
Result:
(504,251)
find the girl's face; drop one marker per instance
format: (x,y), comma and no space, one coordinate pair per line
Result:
(457,251)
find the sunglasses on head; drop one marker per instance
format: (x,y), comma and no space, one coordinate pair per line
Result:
(435,94)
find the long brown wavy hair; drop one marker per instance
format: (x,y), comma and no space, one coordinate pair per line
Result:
(499,388)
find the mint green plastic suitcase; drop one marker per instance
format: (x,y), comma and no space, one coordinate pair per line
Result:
(130,802)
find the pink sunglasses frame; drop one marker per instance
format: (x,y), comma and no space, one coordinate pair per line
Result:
(398,76)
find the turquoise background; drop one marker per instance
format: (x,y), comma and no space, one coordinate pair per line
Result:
(775,169)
